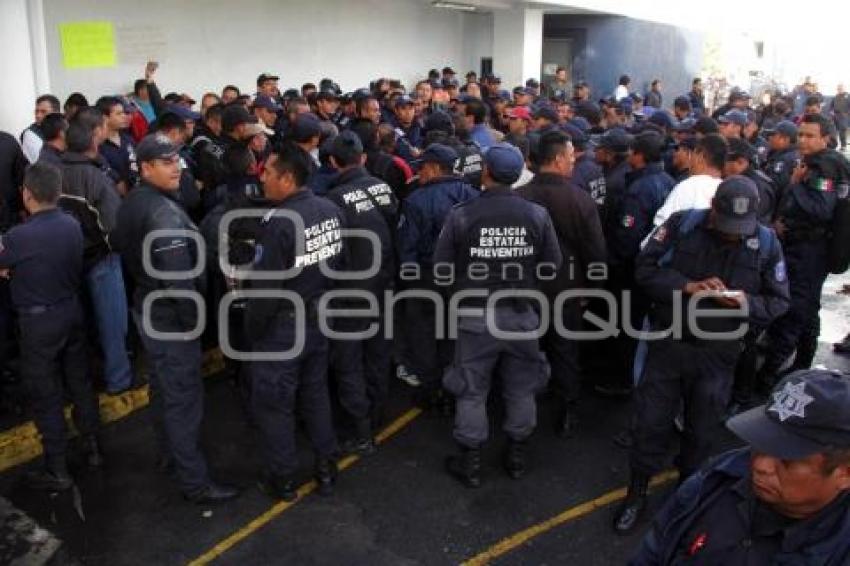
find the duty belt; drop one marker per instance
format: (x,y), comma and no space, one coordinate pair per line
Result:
(41,309)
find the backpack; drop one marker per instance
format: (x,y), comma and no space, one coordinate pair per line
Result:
(839,245)
(696,216)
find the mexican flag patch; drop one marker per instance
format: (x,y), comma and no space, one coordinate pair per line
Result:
(824,185)
(628,221)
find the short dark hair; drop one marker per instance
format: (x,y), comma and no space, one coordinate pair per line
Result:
(682,103)
(53,125)
(76,99)
(362,102)
(551,145)
(387,137)
(106,103)
(522,143)
(233,88)
(308,86)
(476,109)
(170,121)
(649,144)
(813,100)
(367,132)
(696,81)
(214,111)
(714,148)
(80,134)
(559,69)
(625,80)
(139,85)
(44,182)
(54,102)
(822,121)
(291,159)
(654,82)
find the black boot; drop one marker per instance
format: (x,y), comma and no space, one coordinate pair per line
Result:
(842,347)
(326,472)
(362,443)
(53,477)
(806,350)
(279,487)
(93,453)
(466,466)
(628,515)
(515,459)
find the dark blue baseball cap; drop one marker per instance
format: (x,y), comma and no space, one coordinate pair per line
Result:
(734,116)
(439,121)
(735,206)
(785,128)
(438,153)
(504,162)
(267,102)
(547,113)
(155,146)
(661,118)
(183,112)
(404,100)
(808,412)
(306,127)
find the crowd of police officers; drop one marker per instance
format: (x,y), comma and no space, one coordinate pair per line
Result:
(428,235)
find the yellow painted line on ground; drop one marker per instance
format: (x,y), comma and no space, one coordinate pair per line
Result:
(512,542)
(22,443)
(278,508)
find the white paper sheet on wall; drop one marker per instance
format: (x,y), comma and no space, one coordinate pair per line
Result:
(140,43)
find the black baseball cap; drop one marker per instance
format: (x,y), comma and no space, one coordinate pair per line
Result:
(688,142)
(735,205)
(439,121)
(617,140)
(438,153)
(532,83)
(327,94)
(548,113)
(155,146)
(808,412)
(266,77)
(448,71)
(734,116)
(403,100)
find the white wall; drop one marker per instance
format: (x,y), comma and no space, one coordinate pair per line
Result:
(517,45)
(16,67)
(477,42)
(204,44)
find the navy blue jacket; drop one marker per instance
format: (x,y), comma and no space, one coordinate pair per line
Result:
(423,214)
(780,165)
(807,207)
(367,203)
(588,176)
(699,254)
(647,190)
(45,254)
(498,228)
(823,540)
(320,238)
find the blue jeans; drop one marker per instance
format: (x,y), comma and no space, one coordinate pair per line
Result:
(109,301)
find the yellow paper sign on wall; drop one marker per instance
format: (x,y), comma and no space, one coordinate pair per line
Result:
(87,44)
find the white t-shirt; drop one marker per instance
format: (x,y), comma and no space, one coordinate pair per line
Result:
(694,192)
(621,92)
(31,145)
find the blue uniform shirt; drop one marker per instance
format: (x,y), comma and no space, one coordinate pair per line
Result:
(45,255)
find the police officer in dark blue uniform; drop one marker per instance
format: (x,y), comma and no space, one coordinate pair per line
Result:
(361,367)
(784,499)
(440,128)
(587,173)
(420,223)
(804,223)
(699,259)
(44,260)
(783,156)
(177,389)
(302,233)
(612,152)
(497,242)
(740,160)
(648,187)
(579,231)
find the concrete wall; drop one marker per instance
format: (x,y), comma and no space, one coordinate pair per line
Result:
(204,44)
(477,42)
(606,47)
(16,67)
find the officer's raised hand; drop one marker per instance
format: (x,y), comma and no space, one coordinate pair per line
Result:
(710,284)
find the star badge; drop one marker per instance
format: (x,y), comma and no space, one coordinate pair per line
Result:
(791,401)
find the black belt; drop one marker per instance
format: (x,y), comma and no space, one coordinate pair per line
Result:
(41,309)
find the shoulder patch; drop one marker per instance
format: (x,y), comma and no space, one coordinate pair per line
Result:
(660,234)
(628,221)
(753,243)
(779,166)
